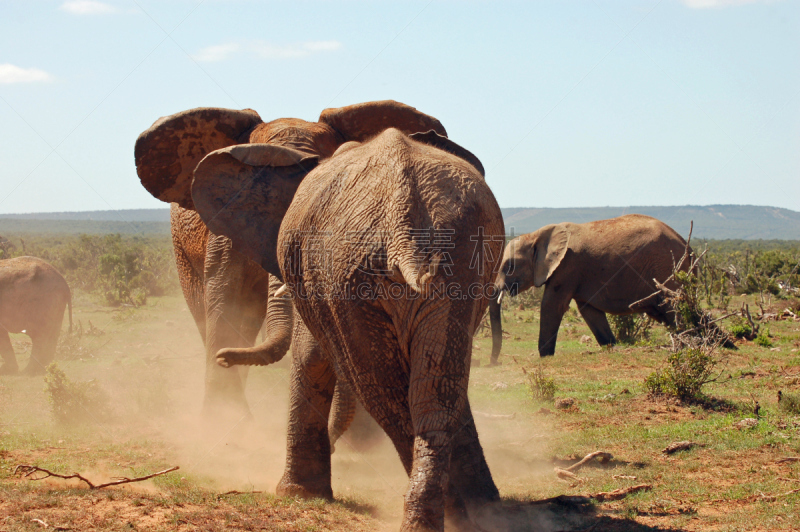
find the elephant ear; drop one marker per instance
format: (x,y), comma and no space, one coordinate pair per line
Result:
(361,122)
(243,192)
(168,152)
(549,253)
(432,138)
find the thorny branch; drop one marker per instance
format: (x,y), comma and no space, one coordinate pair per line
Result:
(28,470)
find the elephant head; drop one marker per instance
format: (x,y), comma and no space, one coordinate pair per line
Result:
(528,260)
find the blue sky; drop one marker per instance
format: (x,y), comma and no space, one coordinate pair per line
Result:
(567,103)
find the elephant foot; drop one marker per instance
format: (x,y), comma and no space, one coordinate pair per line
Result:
(9,369)
(546,354)
(287,488)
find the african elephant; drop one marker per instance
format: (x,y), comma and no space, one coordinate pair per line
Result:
(33,297)
(387,237)
(229,295)
(605,266)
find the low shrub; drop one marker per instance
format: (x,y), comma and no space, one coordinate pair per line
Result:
(631,328)
(685,374)
(789,403)
(74,402)
(540,387)
(763,338)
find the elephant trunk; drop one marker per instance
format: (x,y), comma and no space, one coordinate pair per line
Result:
(343,410)
(278,326)
(495,316)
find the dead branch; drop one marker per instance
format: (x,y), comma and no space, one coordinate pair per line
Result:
(237,492)
(620,493)
(681,446)
(788,459)
(772,498)
(46,525)
(602,457)
(564,474)
(623,477)
(28,470)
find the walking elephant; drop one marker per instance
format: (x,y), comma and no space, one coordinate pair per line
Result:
(33,297)
(605,266)
(230,296)
(386,236)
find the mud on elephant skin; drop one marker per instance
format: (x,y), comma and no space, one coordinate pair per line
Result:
(33,297)
(354,201)
(605,266)
(229,295)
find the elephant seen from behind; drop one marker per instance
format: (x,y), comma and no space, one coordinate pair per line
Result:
(351,212)
(605,266)
(33,297)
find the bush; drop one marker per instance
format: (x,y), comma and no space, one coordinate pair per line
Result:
(540,387)
(631,328)
(763,339)
(789,403)
(74,402)
(685,374)
(739,328)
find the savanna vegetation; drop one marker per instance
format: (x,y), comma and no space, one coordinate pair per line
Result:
(124,400)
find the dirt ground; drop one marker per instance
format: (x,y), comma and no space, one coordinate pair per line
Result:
(149,363)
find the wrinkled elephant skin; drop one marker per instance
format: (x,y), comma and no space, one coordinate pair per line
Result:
(387,237)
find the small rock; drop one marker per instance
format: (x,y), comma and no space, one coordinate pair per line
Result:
(585,339)
(776,349)
(680,446)
(564,403)
(746,423)
(499,386)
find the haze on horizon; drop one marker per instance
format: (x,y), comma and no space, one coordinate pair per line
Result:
(579,104)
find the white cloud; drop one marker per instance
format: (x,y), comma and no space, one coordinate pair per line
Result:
(266,50)
(219,52)
(712,4)
(87,7)
(13,74)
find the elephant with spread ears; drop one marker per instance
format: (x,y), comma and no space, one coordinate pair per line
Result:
(386,237)
(607,267)
(229,295)
(33,298)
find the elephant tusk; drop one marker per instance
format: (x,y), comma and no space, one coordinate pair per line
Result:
(282,290)
(500,297)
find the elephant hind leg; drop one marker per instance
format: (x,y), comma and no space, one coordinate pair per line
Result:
(598,323)
(308,449)
(43,351)
(554,304)
(9,366)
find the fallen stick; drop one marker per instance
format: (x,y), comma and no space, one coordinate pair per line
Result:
(602,457)
(623,477)
(28,470)
(620,493)
(771,498)
(681,446)
(46,525)
(788,459)
(567,475)
(237,492)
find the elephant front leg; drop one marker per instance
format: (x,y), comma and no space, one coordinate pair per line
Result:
(598,323)
(308,449)
(9,366)
(554,305)
(224,387)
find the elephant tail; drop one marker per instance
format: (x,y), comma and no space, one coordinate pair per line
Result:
(343,410)
(497,329)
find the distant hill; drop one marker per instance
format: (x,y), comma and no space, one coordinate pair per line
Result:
(718,222)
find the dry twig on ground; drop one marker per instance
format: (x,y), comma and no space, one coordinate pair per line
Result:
(602,457)
(28,470)
(681,446)
(620,493)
